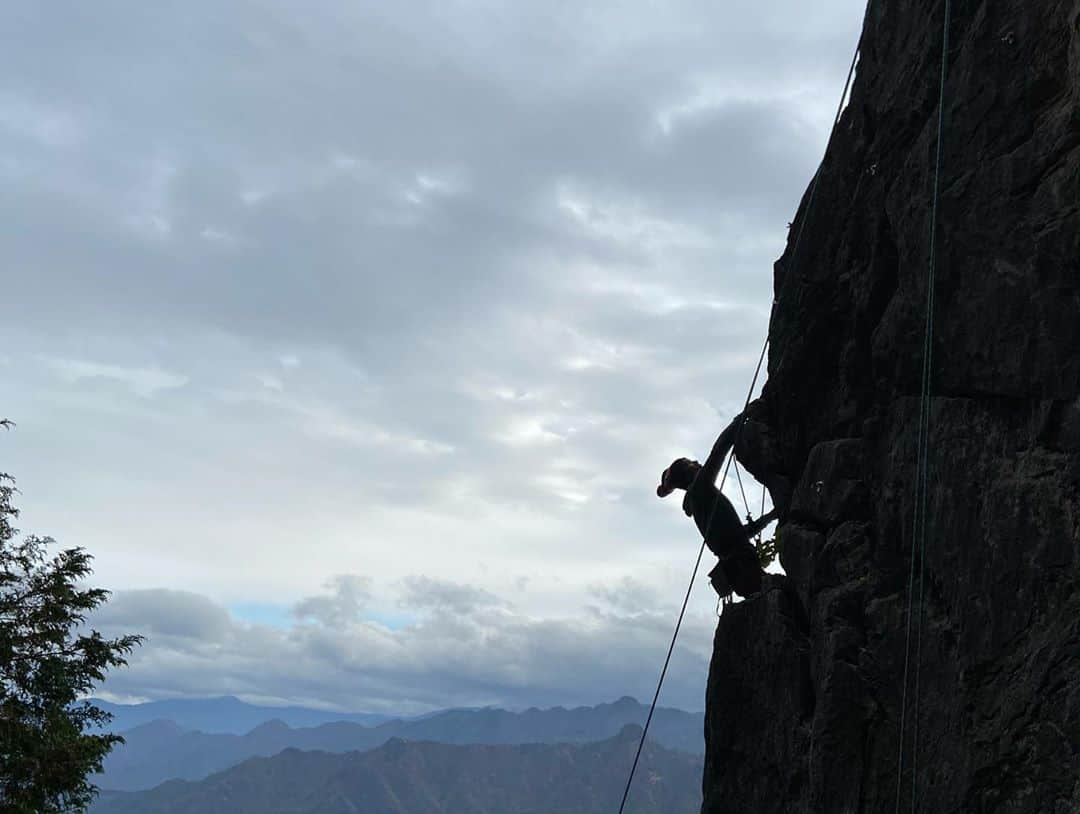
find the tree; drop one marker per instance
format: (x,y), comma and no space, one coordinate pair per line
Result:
(48,662)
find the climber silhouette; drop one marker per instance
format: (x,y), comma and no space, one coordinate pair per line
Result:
(739,568)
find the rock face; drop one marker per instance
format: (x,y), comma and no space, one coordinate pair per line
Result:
(806,685)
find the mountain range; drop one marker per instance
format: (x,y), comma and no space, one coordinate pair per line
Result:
(402,777)
(225,715)
(163,750)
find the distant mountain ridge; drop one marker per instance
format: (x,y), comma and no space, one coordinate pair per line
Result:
(402,777)
(226,715)
(162,750)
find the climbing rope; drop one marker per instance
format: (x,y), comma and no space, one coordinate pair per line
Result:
(731,457)
(762,512)
(922,484)
(686,599)
(746,505)
(745,502)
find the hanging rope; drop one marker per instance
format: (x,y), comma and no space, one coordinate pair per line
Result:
(686,599)
(745,502)
(922,485)
(731,457)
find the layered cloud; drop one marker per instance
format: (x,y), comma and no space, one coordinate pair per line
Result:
(393,289)
(462,647)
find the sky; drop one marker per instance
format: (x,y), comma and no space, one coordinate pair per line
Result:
(351,338)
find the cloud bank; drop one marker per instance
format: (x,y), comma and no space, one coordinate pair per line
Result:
(462,647)
(430,288)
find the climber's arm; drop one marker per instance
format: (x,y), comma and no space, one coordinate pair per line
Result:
(754,527)
(706,478)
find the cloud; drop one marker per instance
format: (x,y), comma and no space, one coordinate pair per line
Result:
(629,596)
(349,595)
(439,289)
(46,125)
(145,382)
(166,613)
(426,593)
(470,650)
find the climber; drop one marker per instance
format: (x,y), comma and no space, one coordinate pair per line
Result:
(739,568)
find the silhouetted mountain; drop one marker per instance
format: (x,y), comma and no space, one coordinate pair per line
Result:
(671,728)
(403,777)
(225,715)
(156,752)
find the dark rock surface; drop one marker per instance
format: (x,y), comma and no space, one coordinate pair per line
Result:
(806,718)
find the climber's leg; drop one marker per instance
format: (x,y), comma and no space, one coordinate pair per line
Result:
(719,581)
(743,570)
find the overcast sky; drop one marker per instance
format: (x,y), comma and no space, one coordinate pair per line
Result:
(352,337)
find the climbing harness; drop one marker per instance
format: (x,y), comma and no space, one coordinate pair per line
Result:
(731,456)
(922,476)
(766,552)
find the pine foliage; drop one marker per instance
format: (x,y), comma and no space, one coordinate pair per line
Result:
(50,740)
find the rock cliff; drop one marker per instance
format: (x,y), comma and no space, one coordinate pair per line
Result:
(805,687)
